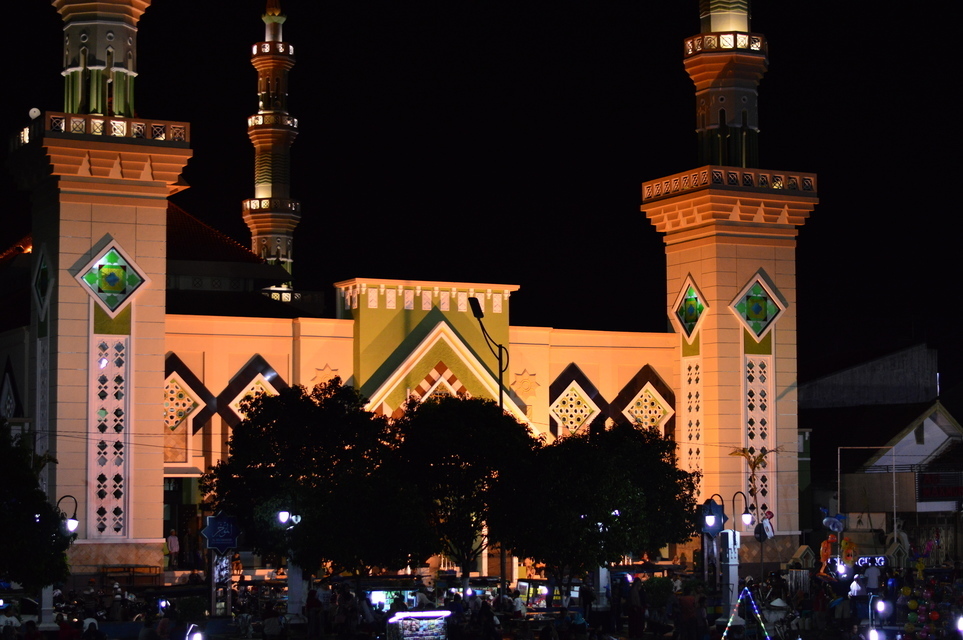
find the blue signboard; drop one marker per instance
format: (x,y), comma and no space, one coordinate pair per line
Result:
(221,533)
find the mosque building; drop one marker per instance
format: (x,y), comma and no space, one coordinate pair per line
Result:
(130,358)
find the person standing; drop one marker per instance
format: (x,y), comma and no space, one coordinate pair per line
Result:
(173,549)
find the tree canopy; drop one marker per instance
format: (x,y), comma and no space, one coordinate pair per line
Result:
(598,497)
(33,540)
(458,450)
(322,455)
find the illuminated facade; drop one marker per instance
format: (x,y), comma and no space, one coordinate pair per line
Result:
(135,359)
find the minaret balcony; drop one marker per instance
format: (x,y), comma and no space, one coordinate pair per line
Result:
(724,42)
(272,48)
(730,179)
(272,120)
(271,205)
(58,124)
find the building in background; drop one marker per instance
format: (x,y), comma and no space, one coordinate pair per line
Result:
(139,329)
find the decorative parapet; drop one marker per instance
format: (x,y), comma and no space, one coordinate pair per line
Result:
(726,42)
(730,179)
(374,293)
(57,124)
(748,201)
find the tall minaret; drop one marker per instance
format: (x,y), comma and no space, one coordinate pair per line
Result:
(730,235)
(271,214)
(99,177)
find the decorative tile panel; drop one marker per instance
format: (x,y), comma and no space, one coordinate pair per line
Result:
(692,443)
(108,441)
(757,307)
(178,403)
(648,408)
(758,409)
(689,307)
(574,408)
(112,278)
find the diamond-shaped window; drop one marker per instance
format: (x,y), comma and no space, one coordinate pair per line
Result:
(757,307)
(574,409)
(649,408)
(112,278)
(178,403)
(689,307)
(258,385)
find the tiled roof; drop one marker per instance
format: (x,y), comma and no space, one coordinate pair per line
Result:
(190,239)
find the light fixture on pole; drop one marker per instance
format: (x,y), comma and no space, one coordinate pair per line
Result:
(476,311)
(288,518)
(714,514)
(747,518)
(501,354)
(71,522)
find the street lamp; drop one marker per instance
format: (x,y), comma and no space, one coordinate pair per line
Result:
(284,517)
(501,354)
(476,311)
(746,517)
(71,523)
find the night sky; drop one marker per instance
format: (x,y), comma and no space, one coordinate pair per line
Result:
(506,143)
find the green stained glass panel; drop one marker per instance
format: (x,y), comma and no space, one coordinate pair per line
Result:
(112,279)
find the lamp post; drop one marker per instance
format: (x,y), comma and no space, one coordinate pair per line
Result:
(289,520)
(70,525)
(501,354)
(714,516)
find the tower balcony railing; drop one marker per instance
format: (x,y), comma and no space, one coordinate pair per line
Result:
(271,119)
(730,178)
(262,48)
(66,124)
(272,205)
(725,41)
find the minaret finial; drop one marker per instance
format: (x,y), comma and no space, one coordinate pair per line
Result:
(273,8)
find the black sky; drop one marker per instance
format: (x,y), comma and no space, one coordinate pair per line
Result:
(506,142)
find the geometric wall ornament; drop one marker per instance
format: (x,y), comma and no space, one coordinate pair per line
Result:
(690,307)
(759,424)
(575,404)
(574,409)
(525,385)
(43,281)
(434,359)
(691,441)
(256,376)
(440,382)
(256,387)
(112,278)
(325,373)
(646,400)
(10,406)
(649,409)
(757,307)
(108,442)
(178,403)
